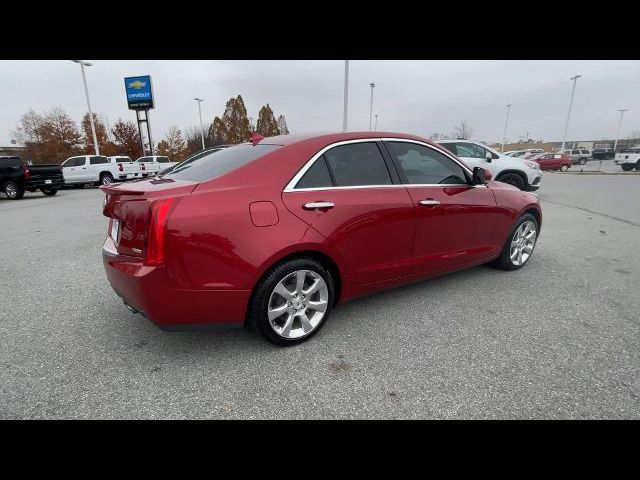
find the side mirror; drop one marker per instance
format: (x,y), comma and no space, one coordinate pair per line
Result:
(488,157)
(480,176)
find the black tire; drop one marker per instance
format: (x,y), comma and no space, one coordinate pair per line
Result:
(78,185)
(638,165)
(564,168)
(582,161)
(504,260)
(106,179)
(257,317)
(513,179)
(49,192)
(13,191)
(627,167)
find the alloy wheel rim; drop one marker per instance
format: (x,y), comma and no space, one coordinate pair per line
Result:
(298,304)
(522,243)
(106,180)
(11,190)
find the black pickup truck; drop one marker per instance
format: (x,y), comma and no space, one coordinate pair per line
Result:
(16,178)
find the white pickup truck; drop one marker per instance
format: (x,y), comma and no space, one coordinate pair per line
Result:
(629,159)
(127,168)
(95,169)
(152,164)
(522,174)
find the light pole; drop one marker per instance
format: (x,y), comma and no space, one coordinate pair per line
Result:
(200,100)
(376,124)
(372,85)
(346,95)
(86,92)
(506,122)
(615,145)
(566,125)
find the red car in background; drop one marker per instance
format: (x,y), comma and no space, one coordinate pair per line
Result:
(274,233)
(551,161)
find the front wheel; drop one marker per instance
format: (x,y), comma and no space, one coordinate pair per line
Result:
(520,244)
(292,302)
(638,165)
(626,167)
(513,179)
(582,161)
(13,190)
(49,192)
(564,168)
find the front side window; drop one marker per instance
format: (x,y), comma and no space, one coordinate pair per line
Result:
(74,162)
(357,164)
(424,165)
(144,159)
(162,160)
(586,152)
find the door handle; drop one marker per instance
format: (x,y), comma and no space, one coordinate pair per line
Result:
(318,205)
(428,202)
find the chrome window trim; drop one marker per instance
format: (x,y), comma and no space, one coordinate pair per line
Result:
(290,187)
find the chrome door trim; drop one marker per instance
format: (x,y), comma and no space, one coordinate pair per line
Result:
(290,187)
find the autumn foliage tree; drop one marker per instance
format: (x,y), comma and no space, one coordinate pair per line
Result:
(236,121)
(217,134)
(282,125)
(51,137)
(267,125)
(126,139)
(105,146)
(173,145)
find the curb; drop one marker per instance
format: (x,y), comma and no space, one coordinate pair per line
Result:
(598,172)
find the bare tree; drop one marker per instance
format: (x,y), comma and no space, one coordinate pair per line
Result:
(463,131)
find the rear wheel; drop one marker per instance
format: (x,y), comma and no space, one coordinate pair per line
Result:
(582,161)
(292,302)
(513,179)
(638,165)
(49,192)
(519,245)
(626,167)
(564,168)
(106,179)
(13,190)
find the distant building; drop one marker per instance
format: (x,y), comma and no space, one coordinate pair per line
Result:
(12,151)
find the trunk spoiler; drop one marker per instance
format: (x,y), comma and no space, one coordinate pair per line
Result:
(117,190)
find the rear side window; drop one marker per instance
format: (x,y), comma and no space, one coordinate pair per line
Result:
(585,152)
(145,159)
(317,176)
(576,152)
(220,162)
(424,165)
(357,164)
(97,160)
(162,160)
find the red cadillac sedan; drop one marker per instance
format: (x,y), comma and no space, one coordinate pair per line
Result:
(276,232)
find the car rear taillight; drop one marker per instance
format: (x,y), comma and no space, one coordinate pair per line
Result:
(142,167)
(27,173)
(156,232)
(121,167)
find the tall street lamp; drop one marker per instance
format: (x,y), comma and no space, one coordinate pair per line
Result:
(566,125)
(372,85)
(346,95)
(506,122)
(86,92)
(621,110)
(200,100)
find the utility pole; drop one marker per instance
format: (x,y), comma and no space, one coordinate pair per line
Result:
(506,122)
(372,85)
(566,125)
(346,95)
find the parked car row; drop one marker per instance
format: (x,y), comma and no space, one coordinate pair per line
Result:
(100,170)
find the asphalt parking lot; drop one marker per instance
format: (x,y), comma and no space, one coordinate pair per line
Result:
(557,339)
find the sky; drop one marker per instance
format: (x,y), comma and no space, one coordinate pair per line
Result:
(410,96)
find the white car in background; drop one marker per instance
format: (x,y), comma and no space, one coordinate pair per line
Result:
(629,159)
(92,169)
(152,164)
(522,174)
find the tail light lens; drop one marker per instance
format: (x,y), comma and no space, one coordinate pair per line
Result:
(120,167)
(157,231)
(143,167)
(27,173)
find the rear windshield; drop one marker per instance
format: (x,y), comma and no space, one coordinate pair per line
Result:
(10,162)
(220,162)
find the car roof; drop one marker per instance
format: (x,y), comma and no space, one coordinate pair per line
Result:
(285,140)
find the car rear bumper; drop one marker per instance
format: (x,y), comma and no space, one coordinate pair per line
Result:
(41,183)
(145,290)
